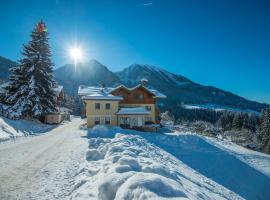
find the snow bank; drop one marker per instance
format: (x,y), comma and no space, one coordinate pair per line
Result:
(127,166)
(10,129)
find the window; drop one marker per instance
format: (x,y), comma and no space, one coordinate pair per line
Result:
(108,106)
(97,120)
(138,96)
(107,120)
(97,106)
(148,119)
(148,108)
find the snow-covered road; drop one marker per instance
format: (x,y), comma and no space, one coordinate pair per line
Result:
(42,167)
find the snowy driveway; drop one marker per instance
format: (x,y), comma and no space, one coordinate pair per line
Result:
(42,167)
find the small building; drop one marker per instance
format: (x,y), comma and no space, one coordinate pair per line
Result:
(61,112)
(134,108)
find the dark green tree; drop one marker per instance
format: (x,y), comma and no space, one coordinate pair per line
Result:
(30,92)
(265,130)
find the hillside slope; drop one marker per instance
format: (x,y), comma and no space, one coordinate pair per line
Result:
(180,89)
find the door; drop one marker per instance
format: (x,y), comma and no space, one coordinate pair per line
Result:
(140,121)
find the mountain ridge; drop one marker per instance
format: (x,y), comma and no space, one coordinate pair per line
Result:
(179,89)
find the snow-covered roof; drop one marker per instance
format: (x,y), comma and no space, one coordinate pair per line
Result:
(102,96)
(58,89)
(133,111)
(85,90)
(158,94)
(88,90)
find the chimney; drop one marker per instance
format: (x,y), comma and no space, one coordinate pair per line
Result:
(102,85)
(144,82)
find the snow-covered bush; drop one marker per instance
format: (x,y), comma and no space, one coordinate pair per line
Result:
(167,119)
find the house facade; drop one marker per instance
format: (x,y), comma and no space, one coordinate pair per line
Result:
(121,106)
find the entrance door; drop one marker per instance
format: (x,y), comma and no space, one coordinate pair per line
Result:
(140,121)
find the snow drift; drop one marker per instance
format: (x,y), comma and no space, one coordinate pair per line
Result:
(10,129)
(125,166)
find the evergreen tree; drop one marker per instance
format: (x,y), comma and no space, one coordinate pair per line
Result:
(265,130)
(237,121)
(31,89)
(16,79)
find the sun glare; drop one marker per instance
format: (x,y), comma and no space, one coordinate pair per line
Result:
(76,53)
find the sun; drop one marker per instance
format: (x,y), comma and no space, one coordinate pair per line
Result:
(76,53)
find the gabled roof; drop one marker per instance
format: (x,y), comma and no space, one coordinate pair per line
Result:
(141,86)
(154,92)
(102,96)
(58,89)
(103,93)
(118,87)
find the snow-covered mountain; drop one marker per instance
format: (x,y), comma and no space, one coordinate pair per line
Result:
(88,73)
(179,89)
(133,74)
(182,90)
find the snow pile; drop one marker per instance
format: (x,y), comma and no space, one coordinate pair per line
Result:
(125,166)
(10,129)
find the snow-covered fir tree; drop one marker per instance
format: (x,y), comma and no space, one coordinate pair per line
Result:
(265,130)
(30,92)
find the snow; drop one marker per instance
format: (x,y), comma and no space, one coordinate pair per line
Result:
(216,108)
(133,111)
(149,70)
(257,160)
(42,167)
(92,92)
(124,164)
(114,163)
(102,96)
(58,89)
(10,129)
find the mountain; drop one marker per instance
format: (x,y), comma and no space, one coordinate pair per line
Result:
(182,90)
(89,73)
(178,89)
(5,65)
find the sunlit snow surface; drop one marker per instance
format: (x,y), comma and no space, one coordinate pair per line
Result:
(124,164)
(10,129)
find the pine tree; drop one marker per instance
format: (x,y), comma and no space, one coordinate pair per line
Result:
(16,79)
(237,121)
(265,130)
(31,90)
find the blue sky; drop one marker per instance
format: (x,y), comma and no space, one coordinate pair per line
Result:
(223,43)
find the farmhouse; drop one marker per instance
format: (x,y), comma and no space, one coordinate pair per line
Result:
(122,106)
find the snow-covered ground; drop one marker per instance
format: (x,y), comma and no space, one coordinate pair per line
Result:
(10,129)
(126,164)
(44,166)
(217,108)
(259,161)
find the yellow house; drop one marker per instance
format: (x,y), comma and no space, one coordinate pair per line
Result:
(121,106)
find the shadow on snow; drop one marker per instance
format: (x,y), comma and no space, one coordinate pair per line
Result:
(205,158)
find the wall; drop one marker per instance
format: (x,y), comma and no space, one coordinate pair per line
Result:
(91,112)
(129,96)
